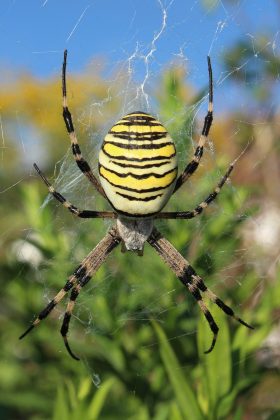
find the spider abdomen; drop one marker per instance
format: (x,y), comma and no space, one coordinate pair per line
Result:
(138,165)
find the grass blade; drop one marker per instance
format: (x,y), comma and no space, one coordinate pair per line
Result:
(184,394)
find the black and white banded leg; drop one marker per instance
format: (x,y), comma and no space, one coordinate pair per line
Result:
(193,164)
(187,275)
(202,206)
(85,214)
(81,162)
(68,313)
(80,277)
(214,298)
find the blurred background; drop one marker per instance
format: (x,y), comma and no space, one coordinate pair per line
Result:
(139,333)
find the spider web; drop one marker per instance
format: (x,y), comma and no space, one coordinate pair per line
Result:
(175,34)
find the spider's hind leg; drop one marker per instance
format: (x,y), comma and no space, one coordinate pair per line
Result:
(53,303)
(90,265)
(68,313)
(81,276)
(187,275)
(184,271)
(215,299)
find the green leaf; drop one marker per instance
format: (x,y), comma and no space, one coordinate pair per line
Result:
(175,412)
(99,398)
(61,411)
(227,402)
(84,388)
(185,396)
(141,414)
(217,365)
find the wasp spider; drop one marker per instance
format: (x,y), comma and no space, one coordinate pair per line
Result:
(138,174)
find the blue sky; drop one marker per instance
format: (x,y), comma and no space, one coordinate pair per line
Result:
(34,33)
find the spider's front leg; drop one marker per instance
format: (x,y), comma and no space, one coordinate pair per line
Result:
(81,162)
(79,279)
(187,275)
(190,214)
(84,214)
(193,164)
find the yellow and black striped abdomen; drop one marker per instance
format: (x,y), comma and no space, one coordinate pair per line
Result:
(138,165)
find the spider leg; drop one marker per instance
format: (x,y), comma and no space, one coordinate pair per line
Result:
(187,275)
(214,298)
(58,297)
(81,162)
(86,269)
(205,203)
(94,260)
(85,214)
(68,313)
(193,164)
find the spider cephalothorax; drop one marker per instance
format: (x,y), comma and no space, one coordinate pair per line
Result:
(138,174)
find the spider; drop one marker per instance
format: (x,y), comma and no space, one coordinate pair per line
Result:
(138,174)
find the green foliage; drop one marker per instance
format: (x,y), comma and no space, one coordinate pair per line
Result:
(76,404)
(184,395)
(168,377)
